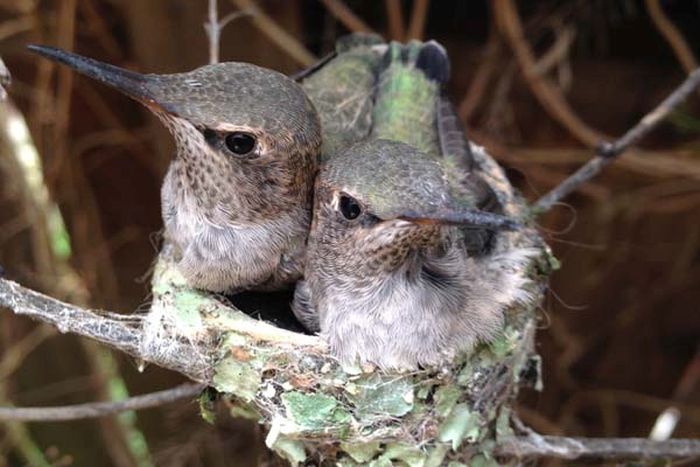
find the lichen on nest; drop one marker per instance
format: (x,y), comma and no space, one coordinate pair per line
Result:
(318,409)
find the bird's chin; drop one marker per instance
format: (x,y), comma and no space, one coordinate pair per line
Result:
(387,232)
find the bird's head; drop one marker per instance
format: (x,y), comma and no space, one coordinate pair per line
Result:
(237,126)
(380,199)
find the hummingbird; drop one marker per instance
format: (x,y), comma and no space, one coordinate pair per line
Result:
(399,273)
(342,87)
(237,196)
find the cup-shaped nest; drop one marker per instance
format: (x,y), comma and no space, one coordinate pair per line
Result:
(317,409)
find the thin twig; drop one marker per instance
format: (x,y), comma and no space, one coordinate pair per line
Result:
(277,34)
(548,95)
(20,437)
(100,29)
(15,355)
(214,26)
(670,32)
(608,152)
(394,15)
(666,422)
(677,163)
(482,77)
(16,26)
(418,19)
(100,409)
(346,16)
(562,447)
(223,22)
(558,52)
(213,31)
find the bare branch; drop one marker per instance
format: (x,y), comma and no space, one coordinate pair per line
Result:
(597,448)
(667,420)
(223,22)
(488,64)
(395,19)
(670,32)
(672,163)
(277,34)
(121,332)
(608,152)
(100,409)
(548,95)
(345,15)
(15,355)
(418,19)
(17,26)
(213,30)
(214,26)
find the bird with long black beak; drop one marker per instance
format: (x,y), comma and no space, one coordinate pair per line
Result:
(236,198)
(400,273)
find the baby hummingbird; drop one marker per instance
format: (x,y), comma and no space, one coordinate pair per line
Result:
(394,275)
(237,196)
(342,89)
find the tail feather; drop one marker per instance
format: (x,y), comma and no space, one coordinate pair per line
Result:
(432,59)
(428,57)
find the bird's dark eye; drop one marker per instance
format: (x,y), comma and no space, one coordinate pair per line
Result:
(240,143)
(349,207)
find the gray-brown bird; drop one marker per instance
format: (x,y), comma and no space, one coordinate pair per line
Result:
(236,198)
(399,272)
(342,88)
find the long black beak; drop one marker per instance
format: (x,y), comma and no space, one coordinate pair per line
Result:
(464,217)
(133,84)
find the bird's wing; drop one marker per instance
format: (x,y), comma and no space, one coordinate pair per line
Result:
(456,150)
(303,307)
(453,141)
(342,87)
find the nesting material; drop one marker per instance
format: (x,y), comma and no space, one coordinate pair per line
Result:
(317,409)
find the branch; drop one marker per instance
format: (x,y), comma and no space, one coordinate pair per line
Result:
(277,34)
(667,420)
(657,163)
(608,152)
(214,26)
(395,19)
(488,64)
(418,19)
(100,409)
(562,447)
(670,32)
(548,95)
(345,15)
(121,332)
(558,52)
(213,31)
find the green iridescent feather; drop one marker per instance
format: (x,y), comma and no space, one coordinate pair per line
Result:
(406,101)
(342,91)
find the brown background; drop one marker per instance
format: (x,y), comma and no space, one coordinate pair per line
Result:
(619,330)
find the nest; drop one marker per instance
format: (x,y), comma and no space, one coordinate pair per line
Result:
(318,410)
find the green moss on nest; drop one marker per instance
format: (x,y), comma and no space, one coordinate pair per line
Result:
(317,409)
